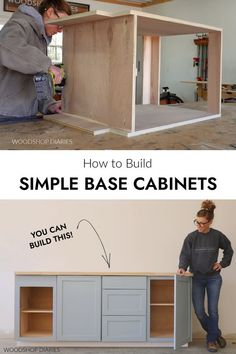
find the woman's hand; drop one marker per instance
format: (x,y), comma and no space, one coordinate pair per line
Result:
(180,271)
(217,267)
(57,73)
(55,107)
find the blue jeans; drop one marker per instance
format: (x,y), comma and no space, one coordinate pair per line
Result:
(210,285)
(11,119)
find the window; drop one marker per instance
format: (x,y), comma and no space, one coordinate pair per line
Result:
(55,48)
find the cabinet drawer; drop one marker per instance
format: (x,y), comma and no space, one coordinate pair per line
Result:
(124,282)
(35,280)
(123,328)
(124,302)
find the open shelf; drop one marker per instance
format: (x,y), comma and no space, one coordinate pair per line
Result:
(37,333)
(162,321)
(161,308)
(162,291)
(162,304)
(161,334)
(36,311)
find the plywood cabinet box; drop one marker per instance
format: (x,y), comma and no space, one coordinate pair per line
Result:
(100,59)
(103,310)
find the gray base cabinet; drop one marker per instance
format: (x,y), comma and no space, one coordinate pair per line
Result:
(104,308)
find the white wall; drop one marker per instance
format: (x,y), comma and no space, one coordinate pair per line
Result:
(177,67)
(142,236)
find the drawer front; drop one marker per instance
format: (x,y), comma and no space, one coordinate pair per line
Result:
(35,280)
(124,328)
(124,282)
(124,302)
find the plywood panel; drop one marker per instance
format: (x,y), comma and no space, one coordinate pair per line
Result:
(147,49)
(36,298)
(87,70)
(122,73)
(155,71)
(41,298)
(99,65)
(147,22)
(24,324)
(136,3)
(151,24)
(162,291)
(162,321)
(77,122)
(90,16)
(214,72)
(150,116)
(151,72)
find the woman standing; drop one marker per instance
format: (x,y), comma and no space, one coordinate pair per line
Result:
(200,253)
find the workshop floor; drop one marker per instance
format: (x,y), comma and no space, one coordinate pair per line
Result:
(197,347)
(215,134)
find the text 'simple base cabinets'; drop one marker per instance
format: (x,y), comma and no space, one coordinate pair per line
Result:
(149,309)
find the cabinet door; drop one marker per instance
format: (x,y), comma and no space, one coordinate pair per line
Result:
(79,308)
(182,310)
(35,308)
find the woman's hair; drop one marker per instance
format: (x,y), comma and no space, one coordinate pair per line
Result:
(207,210)
(58,5)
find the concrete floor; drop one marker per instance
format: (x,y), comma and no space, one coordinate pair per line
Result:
(215,134)
(197,347)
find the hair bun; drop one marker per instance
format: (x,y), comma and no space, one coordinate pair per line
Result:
(208,205)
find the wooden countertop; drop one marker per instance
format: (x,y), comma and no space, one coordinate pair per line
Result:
(197,82)
(155,23)
(149,274)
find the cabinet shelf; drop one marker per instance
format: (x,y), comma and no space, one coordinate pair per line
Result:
(36,311)
(161,334)
(38,334)
(162,304)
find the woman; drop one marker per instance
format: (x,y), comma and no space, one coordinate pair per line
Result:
(23,53)
(200,253)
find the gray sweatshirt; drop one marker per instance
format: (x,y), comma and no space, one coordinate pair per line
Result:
(23,53)
(200,251)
